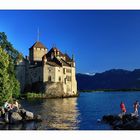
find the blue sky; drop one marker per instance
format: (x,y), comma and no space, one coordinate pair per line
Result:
(100,40)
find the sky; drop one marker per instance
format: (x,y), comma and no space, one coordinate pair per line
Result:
(100,40)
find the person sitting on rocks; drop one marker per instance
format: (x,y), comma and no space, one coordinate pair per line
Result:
(136,106)
(123,109)
(5,106)
(16,105)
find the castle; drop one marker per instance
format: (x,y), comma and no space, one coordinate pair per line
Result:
(51,72)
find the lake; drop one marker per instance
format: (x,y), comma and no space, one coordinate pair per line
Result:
(79,113)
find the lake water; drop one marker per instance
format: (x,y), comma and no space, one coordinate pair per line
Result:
(79,113)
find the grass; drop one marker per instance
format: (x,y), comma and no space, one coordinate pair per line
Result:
(31,95)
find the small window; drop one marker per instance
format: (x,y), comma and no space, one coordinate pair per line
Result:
(49,78)
(68,70)
(59,79)
(68,78)
(64,71)
(65,80)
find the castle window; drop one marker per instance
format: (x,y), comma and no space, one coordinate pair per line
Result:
(59,79)
(68,70)
(49,69)
(68,78)
(65,80)
(64,71)
(49,78)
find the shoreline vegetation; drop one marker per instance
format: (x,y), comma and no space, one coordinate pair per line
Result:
(33,95)
(110,90)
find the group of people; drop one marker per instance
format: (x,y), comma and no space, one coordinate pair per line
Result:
(135,106)
(8,108)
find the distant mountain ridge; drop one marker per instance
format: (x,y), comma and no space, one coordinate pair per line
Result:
(114,79)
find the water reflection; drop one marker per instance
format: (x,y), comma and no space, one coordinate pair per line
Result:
(57,114)
(60,113)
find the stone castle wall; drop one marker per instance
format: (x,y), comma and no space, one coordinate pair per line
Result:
(37,53)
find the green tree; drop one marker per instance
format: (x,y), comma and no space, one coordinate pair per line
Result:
(5,86)
(8,47)
(9,85)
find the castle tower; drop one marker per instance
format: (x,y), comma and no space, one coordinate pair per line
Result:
(37,51)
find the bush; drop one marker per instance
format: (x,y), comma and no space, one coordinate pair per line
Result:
(31,95)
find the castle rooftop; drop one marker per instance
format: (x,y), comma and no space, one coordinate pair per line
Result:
(38,45)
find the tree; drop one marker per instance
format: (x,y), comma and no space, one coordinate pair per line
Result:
(8,47)
(9,85)
(5,86)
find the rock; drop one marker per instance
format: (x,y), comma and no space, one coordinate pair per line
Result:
(22,111)
(125,122)
(6,117)
(2,121)
(29,115)
(110,118)
(19,116)
(15,117)
(37,118)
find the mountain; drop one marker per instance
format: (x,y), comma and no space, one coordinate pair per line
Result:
(114,79)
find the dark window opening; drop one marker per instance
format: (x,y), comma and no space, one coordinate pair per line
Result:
(49,78)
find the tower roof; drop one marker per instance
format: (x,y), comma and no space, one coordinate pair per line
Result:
(38,45)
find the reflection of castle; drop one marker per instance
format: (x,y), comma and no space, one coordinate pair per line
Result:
(44,66)
(60,114)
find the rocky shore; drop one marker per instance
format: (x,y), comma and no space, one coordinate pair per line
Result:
(125,122)
(18,116)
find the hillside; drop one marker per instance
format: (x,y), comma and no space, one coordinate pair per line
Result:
(114,79)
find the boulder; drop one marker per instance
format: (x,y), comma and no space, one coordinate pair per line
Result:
(29,115)
(22,111)
(123,122)
(15,117)
(37,118)
(111,118)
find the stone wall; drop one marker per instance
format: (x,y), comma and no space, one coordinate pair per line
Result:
(50,89)
(64,75)
(20,74)
(38,53)
(35,74)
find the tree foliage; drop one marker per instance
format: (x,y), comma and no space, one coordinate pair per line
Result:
(8,47)
(9,86)
(5,86)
